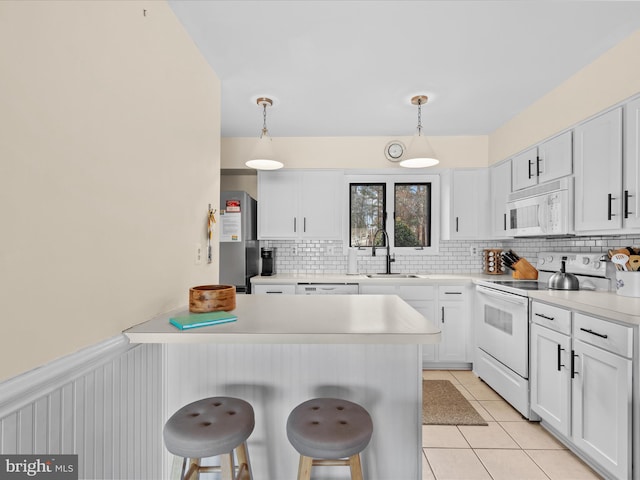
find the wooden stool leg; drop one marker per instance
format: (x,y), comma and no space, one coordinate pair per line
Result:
(228,467)
(304,468)
(194,466)
(243,462)
(356,467)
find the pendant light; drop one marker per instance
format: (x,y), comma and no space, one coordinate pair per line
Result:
(420,154)
(262,157)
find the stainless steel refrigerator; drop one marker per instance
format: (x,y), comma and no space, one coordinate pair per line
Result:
(239,246)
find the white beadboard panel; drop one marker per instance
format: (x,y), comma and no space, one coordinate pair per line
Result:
(385,379)
(104,403)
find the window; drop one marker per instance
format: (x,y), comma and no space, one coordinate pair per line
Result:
(367,207)
(412,217)
(401,204)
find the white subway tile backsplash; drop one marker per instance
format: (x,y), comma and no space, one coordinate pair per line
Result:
(454,256)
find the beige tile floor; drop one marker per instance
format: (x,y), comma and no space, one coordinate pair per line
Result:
(509,448)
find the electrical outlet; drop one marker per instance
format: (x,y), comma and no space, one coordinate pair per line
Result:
(328,250)
(294,250)
(473,250)
(198,254)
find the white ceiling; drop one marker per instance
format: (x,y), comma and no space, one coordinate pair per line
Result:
(349,68)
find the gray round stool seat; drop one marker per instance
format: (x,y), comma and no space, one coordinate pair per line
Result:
(330,429)
(208,428)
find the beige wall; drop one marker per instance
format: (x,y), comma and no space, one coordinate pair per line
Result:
(109,156)
(244,181)
(610,79)
(354,152)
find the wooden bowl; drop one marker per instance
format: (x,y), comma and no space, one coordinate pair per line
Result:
(212,298)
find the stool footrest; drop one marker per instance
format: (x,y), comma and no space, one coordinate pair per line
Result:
(325,462)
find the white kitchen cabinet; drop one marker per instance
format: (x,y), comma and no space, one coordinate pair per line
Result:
(500,188)
(300,204)
(581,383)
(550,160)
(550,379)
(465,204)
(555,158)
(598,179)
(267,289)
(524,169)
(452,314)
(631,166)
(601,417)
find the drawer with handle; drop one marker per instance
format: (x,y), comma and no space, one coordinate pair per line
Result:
(452,293)
(552,317)
(265,289)
(601,333)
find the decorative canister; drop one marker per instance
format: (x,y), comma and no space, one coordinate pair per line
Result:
(212,298)
(492,261)
(628,284)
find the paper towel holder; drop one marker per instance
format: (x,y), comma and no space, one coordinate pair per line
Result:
(352,261)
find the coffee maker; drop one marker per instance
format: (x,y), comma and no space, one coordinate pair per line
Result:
(268,256)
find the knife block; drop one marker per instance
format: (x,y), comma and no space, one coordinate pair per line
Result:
(523,270)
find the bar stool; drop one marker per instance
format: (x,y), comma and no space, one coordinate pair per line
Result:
(211,427)
(330,432)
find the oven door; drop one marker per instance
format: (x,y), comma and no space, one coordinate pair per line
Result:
(503,330)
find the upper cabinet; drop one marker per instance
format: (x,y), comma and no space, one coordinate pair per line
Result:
(547,161)
(598,179)
(500,188)
(465,203)
(631,166)
(300,204)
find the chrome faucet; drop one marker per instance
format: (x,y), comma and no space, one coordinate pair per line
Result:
(387,246)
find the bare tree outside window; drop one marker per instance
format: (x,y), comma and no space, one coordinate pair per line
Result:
(367,208)
(412,214)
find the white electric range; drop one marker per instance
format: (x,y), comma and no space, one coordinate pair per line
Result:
(502,321)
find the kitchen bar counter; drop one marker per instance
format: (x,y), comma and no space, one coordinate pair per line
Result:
(286,349)
(300,319)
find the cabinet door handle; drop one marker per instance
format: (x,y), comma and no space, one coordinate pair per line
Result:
(544,316)
(601,335)
(273,291)
(573,364)
(457,224)
(538,160)
(442,315)
(560,349)
(626,204)
(304,224)
(529,169)
(504,216)
(609,212)
(452,293)
(295,224)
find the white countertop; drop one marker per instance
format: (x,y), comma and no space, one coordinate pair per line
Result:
(302,319)
(603,304)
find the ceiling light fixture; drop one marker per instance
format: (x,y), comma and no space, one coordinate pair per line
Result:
(420,154)
(262,157)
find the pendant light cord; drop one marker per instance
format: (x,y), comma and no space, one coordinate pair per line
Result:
(419,117)
(264,120)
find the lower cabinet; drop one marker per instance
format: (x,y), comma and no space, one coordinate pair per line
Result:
(581,385)
(449,307)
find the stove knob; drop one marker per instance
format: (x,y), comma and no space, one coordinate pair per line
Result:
(549,259)
(596,265)
(585,260)
(541,261)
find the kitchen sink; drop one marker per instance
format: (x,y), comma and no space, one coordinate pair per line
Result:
(392,275)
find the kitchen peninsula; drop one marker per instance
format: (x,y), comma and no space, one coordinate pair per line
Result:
(285,349)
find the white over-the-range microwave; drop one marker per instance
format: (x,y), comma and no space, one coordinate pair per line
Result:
(543,210)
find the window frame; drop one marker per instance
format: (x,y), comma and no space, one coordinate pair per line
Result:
(390,181)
